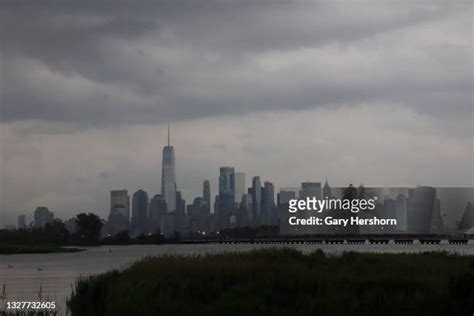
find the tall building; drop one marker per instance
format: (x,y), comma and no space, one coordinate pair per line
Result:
(326,190)
(180,204)
(256,199)
(285,196)
(310,189)
(268,202)
(206,193)
(157,210)
(179,215)
(226,195)
(198,216)
(401,212)
(420,205)
(168,176)
(139,211)
(283,199)
(239,186)
(120,203)
(437,222)
(467,219)
(119,217)
(246,209)
(22,222)
(43,216)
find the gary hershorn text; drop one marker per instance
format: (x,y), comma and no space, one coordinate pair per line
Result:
(352,221)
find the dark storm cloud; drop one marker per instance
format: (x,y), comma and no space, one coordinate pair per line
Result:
(96,63)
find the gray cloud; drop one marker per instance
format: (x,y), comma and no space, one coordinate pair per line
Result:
(100,63)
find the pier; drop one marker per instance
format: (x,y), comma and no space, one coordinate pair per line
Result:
(338,239)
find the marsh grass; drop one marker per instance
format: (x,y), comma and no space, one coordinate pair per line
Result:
(283,282)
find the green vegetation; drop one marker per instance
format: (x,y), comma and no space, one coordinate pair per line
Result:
(283,282)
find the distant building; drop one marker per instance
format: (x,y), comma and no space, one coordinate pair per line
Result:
(310,189)
(256,200)
(285,195)
(362,195)
(179,215)
(180,204)
(119,217)
(22,222)
(350,193)
(42,217)
(198,216)
(437,222)
(283,198)
(239,186)
(139,212)
(226,195)
(268,203)
(206,193)
(467,219)
(245,210)
(401,212)
(168,176)
(157,210)
(120,203)
(327,190)
(420,204)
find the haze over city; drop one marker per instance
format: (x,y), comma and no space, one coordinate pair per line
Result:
(367,93)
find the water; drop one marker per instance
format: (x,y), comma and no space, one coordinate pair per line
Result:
(24,276)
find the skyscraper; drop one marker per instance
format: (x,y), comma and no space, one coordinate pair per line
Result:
(268,202)
(179,214)
(168,176)
(120,203)
(285,196)
(119,217)
(43,216)
(327,190)
(310,189)
(256,199)
(21,222)
(157,210)
(139,211)
(226,195)
(420,204)
(238,179)
(206,193)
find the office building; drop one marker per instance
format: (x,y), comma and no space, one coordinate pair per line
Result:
(42,217)
(168,176)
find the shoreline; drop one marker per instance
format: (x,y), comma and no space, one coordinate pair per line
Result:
(40,249)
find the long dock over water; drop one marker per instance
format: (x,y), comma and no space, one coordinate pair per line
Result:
(337,239)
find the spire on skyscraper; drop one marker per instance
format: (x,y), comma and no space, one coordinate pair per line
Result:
(168,177)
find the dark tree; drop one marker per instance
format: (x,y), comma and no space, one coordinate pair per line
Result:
(56,232)
(89,228)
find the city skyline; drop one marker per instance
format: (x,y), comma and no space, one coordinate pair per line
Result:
(420,209)
(288,91)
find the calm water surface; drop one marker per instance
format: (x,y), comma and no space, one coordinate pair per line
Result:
(25,276)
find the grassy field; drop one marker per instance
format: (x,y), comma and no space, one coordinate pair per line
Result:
(10,249)
(283,282)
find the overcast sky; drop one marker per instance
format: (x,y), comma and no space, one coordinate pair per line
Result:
(377,92)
